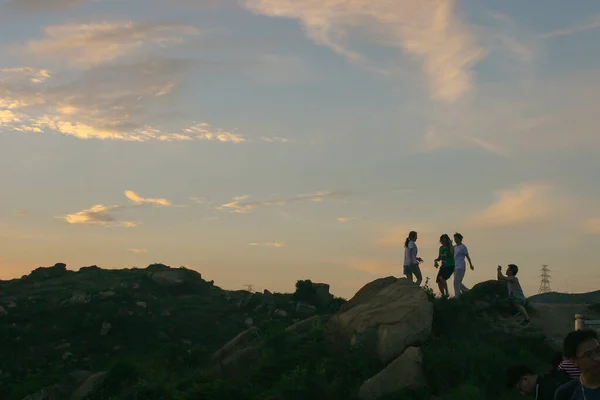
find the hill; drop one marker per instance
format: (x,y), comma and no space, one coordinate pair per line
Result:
(164,333)
(567,298)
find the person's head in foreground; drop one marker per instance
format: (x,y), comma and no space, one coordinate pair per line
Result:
(522,378)
(583,350)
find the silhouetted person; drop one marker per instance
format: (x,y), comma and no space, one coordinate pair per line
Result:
(460,266)
(516,296)
(583,350)
(446,256)
(411,260)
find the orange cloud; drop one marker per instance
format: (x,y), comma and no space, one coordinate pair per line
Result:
(238,205)
(134,197)
(523,204)
(138,251)
(86,45)
(97,215)
(268,244)
(591,226)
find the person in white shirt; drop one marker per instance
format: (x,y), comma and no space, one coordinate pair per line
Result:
(460,266)
(411,260)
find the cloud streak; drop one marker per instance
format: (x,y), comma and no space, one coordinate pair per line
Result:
(238,205)
(267,244)
(523,204)
(88,45)
(137,199)
(103,103)
(428,31)
(591,226)
(572,30)
(99,215)
(138,251)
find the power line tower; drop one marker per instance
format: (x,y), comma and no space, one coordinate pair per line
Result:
(249,288)
(545,280)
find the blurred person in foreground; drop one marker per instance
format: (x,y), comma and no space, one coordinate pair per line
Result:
(583,350)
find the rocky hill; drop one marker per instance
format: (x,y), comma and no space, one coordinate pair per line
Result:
(567,298)
(165,333)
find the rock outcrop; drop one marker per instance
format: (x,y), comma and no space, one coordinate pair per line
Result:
(405,372)
(391,316)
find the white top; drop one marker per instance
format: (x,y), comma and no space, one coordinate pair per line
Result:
(514,287)
(460,252)
(407,258)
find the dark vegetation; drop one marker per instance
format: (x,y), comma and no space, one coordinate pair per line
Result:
(161,349)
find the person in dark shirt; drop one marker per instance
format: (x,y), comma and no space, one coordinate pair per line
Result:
(541,387)
(583,350)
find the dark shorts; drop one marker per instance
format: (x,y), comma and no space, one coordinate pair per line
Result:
(445,272)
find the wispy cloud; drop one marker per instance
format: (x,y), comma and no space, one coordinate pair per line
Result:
(523,204)
(98,215)
(274,139)
(202,131)
(343,219)
(591,226)
(138,251)
(107,103)
(137,199)
(429,31)
(20,213)
(267,244)
(87,45)
(15,74)
(238,205)
(572,30)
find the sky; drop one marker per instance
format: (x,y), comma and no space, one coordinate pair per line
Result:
(265,141)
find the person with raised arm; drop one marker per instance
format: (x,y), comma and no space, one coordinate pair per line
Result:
(516,296)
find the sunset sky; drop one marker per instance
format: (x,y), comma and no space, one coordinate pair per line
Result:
(265,141)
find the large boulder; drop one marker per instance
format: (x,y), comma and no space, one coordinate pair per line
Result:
(91,384)
(391,319)
(323,295)
(405,372)
(245,339)
(166,276)
(487,290)
(368,291)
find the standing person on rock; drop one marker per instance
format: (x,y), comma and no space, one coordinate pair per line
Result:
(411,260)
(446,256)
(460,267)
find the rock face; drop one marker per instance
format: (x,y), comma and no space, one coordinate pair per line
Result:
(305,309)
(89,386)
(488,290)
(241,341)
(174,276)
(405,372)
(323,295)
(308,324)
(392,318)
(368,291)
(239,355)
